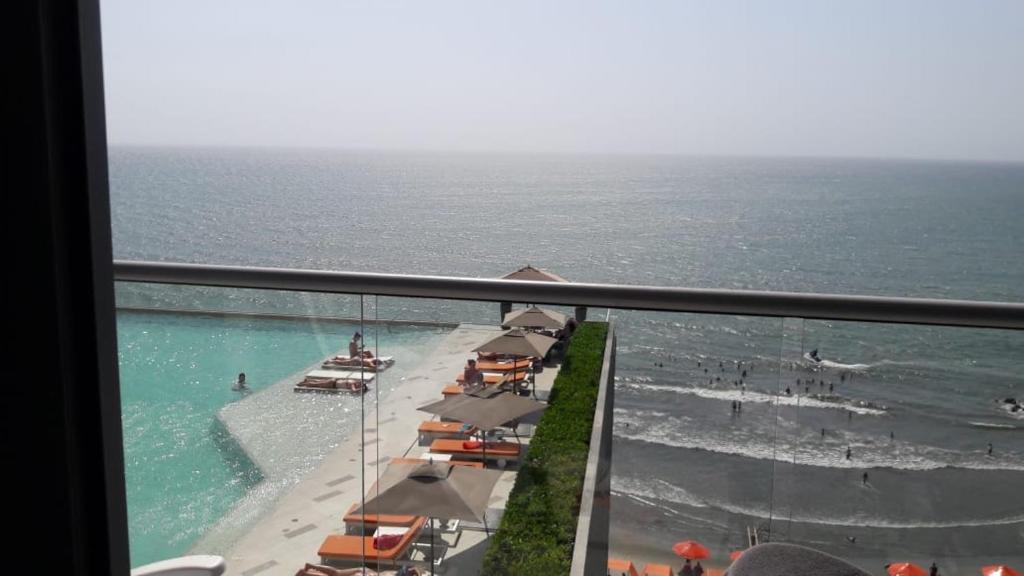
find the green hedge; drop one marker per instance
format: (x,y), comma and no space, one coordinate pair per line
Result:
(538,529)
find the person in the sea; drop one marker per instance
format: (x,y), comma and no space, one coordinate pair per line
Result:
(830,388)
(989,448)
(788,391)
(687,569)
(240,384)
(848,452)
(471,376)
(822,432)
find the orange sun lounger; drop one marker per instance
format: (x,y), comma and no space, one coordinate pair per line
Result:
(491,366)
(618,567)
(430,430)
(495,378)
(339,549)
(495,450)
(657,570)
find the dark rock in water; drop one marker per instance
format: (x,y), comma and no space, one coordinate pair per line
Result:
(1010,401)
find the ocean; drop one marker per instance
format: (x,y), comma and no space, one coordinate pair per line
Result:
(916,407)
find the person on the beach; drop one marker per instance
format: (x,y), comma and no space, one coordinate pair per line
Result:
(698,570)
(739,406)
(864,479)
(892,435)
(471,376)
(934,570)
(822,432)
(239,384)
(849,414)
(829,387)
(734,406)
(686,570)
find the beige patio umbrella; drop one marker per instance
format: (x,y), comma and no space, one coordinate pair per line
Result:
(518,343)
(485,408)
(435,490)
(534,317)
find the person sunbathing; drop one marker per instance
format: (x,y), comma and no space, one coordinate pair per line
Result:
(321,570)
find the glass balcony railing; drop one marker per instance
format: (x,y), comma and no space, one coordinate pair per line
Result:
(875,430)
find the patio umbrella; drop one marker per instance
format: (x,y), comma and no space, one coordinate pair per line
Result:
(534,317)
(905,569)
(433,490)
(999,570)
(690,549)
(485,408)
(518,343)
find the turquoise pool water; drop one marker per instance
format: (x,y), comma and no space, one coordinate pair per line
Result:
(182,471)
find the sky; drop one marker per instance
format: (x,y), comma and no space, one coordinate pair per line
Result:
(893,78)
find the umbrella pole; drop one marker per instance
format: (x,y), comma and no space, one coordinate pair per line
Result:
(431,560)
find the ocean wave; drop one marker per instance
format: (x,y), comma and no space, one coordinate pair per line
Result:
(665,429)
(642,383)
(994,425)
(655,490)
(836,365)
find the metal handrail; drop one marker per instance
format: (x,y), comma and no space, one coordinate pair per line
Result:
(965,313)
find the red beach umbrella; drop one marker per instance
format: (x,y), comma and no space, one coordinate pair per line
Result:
(905,569)
(690,549)
(735,554)
(999,570)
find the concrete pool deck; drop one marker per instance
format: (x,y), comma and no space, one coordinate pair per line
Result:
(289,535)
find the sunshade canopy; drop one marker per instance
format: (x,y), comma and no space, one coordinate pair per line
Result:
(905,569)
(485,408)
(438,490)
(690,549)
(518,343)
(534,317)
(999,570)
(535,274)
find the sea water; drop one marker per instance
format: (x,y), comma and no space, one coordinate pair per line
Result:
(916,406)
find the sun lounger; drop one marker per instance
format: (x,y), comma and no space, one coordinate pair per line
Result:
(499,451)
(343,374)
(495,377)
(349,549)
(332,386)
(433,429)
(619,567)
(657,570)
(492,366)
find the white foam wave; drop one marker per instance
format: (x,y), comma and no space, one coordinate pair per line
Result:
(756,397)
(995,425)
(665,429)
(836,365)
(655,490)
